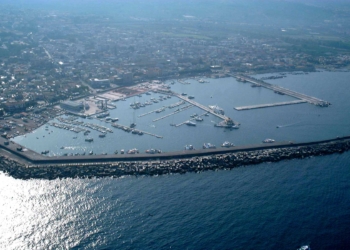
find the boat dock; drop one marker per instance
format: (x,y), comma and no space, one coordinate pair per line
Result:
(173,113)
(269,105)
(283,91)
(129,129)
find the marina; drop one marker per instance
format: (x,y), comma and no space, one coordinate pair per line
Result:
(208,119)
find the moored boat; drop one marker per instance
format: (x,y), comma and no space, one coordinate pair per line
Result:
(189,147)
(227,144)
(208,145)
(268,140)
(189,123)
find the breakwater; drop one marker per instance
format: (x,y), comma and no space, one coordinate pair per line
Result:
(214,160)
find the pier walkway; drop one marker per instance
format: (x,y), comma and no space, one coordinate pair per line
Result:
(173,113)
(129,129)
(269,105)
(281,90)
(207,109)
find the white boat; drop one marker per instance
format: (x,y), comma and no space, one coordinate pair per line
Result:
(91,152)
(133,151)
(122,151)
(268,140)
(189,147)
(217,109)
(227,144)
(208,145)
(153,151)
(189,123)
(199,119)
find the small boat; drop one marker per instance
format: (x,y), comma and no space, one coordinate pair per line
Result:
(91,152)
(116,152)
(122,151)
(227,144)
(89,139)
(133,125)
(268,141)
(189,123)
(152,151)
(133,151)
(189,147)
(102,135)
(45,152)
(208,145)
(199,119)
(190,97)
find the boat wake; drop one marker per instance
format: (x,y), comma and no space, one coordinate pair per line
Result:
(287,125)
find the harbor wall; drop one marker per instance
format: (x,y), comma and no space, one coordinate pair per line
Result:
(177,162)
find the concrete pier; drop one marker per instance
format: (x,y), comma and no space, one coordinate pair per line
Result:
(283,91)
(207,109)
(269,105)
(173,113)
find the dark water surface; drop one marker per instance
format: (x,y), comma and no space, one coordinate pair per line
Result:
(268,206)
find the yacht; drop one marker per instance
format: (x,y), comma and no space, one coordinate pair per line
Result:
(189,123)
(268,140)
(133,151)
(208,145)
(227,144)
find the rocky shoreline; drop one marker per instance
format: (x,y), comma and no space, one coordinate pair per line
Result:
(159,167)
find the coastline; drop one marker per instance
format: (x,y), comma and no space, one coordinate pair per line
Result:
(171,163)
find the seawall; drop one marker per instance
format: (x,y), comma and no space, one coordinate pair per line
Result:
(176,162)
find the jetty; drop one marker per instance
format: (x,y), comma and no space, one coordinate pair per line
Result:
(173,113)
(283,91)
(269,105)
(207,109)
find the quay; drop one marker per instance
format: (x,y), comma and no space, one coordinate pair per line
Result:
(283,91)
(269,105)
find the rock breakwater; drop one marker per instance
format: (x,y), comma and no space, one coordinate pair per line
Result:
(181,165)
